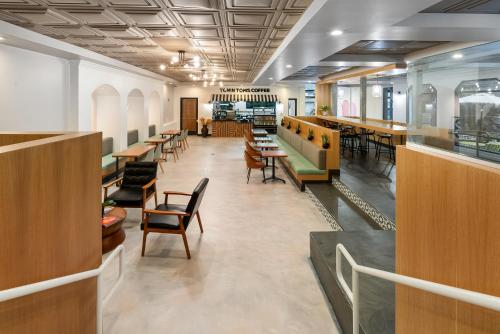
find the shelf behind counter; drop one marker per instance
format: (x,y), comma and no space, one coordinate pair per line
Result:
(231,128)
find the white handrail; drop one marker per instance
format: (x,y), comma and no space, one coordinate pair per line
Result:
(471,297)
(29,289)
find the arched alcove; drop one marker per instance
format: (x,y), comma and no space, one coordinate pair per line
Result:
(105,112)
(136,116)
(155,110)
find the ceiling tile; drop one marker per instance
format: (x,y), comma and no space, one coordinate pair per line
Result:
(253,4)
(250,19)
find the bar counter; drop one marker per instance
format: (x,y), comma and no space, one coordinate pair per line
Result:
(230,128)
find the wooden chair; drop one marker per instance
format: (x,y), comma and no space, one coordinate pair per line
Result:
(172,149)
(136,187)
(253,163)
(174,218)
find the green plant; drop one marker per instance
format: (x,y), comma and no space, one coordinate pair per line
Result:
(297,130)
(108,202)
(289,126)
(282,122)
(324,108)
(310,134)
(325,140)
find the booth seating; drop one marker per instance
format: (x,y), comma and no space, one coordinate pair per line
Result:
(132,138)
(108,162)
(152,131)
(307,161)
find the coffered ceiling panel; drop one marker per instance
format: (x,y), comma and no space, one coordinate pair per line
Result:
(233,38)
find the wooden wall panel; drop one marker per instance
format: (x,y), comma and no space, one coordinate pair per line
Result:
(323,96)
(229,128)
(50,227)
(448,232)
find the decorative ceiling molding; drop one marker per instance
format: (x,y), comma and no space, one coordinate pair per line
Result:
(233,38)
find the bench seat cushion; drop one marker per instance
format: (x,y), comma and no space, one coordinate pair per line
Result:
(297,161)
(107,161)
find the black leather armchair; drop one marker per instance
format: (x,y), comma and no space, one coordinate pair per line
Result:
(174,218)
(136,187)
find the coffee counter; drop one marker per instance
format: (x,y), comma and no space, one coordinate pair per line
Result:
(229,128)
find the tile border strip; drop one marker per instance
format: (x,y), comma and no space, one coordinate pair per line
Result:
(330,220)
(378,217)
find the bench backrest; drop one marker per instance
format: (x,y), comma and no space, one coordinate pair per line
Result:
(107,146)
(313,153)
(152,130)
(132,137)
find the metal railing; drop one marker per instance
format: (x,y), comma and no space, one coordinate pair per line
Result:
(467,296)
(29,289)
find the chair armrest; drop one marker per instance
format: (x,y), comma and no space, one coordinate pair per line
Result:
(174,193)
(109,184)
(151,183)
(167,213)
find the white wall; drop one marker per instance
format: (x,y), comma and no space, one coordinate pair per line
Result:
(105,111)
(374,105)
(399,103)
(34,91)
(137,119)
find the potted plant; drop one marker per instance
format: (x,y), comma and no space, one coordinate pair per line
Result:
(325,140)
(324,109)
(204,121)
(297,129)
(310,134)
(282,122)
(106,204)
(289,126)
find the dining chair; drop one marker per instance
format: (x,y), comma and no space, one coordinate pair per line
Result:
(172,149)
(174,218)
(253,163)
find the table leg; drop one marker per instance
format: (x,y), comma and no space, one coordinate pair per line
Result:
(116,168)
(273,176)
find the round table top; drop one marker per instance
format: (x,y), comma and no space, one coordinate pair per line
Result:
(120,214)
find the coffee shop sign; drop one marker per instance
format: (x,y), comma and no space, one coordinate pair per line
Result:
(245,90)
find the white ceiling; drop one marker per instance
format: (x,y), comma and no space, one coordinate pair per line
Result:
(233,38)
(361,20)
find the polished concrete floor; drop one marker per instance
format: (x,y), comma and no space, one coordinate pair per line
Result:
(250,271)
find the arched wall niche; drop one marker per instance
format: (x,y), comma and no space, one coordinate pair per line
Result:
(105,111)
(136,115)
(155,110)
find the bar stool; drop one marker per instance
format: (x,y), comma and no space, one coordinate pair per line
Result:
(388,138)
(348,137)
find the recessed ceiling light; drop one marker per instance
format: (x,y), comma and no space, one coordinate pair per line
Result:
(270,78)
(163,67)
(1,38)
(288,66)
(336,32)
(457,56)
(407,62)
(196,59)
(309,81)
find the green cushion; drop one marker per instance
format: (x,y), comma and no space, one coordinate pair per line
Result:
(107,161)
(299,163)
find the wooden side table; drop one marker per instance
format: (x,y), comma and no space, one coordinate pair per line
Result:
(113,233)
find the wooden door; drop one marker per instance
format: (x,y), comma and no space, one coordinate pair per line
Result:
(189,114)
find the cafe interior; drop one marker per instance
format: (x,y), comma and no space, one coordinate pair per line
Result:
(338,162)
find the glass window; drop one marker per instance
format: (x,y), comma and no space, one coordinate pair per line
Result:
(455,102)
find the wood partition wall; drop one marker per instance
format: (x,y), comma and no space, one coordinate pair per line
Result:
(448,231)
(49,227)
(333,152)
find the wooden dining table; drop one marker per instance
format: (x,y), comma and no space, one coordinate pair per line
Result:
(134,152)
(273,154)
(259,132)
(157,141)
(170,133)
(266,145)
(393,129)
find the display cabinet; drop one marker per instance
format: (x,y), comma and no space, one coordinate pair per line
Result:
(265,118)
(454,102)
